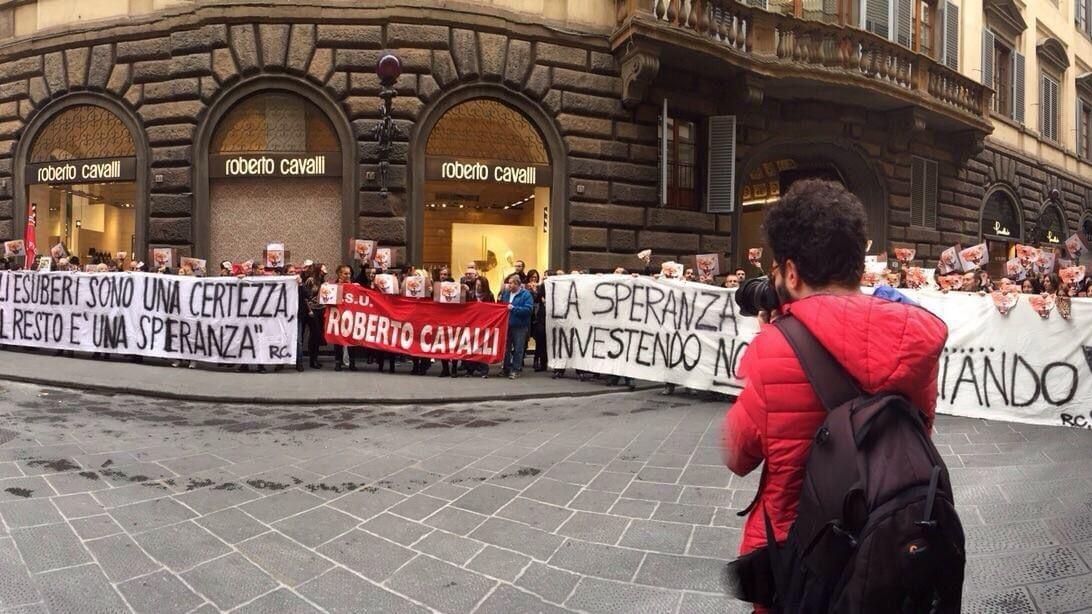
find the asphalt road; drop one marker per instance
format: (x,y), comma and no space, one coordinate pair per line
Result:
(614,503)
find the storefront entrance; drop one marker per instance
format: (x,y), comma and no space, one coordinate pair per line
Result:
(275,176)
(81,177)
(486,196)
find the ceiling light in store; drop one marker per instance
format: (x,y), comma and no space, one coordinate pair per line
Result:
(443,205)
(460,205)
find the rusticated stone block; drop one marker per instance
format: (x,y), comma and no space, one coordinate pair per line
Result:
(98,70)
(170,134)
(223,65)
(171,112)
(581,81)
(365,60)
(561,55)
(592,190)
(493,48)
(630,193)
(396,179)
(617,171)
(413,35)
(26,109)
(9,129)
(134,95)
(374,204)
(715,244)
(406,107)
(55,74)
(363,83)
(601,148)
(204,38)
(172,155)
(274,43)
(643,153)
(7,208)
(244,46)
(427,88)
(628,131)
(599,106)
(606,215)
(38,90)
(623,240)
(152,70)
(170,230)
(192,65)
(584,126)
(9,110)
(76,65)
(7,148)
(677,219)
(15,89)
(322,65)
(350,36)
(671,242)
(170,205)
(552,102)
(724,224)
(7,229)
(177,89)
(464,52)
(443,68)
(604,63)
(593,238)
(209,87)
(21,68)
(386,230)
(144,49)
(362,107)
(517,63)
(538,83)
(598,262)
(300,47)
(177,179)
(338,85)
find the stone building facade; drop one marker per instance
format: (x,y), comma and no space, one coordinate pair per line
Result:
(594,91)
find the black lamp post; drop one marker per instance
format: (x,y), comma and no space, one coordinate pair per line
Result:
(389,68)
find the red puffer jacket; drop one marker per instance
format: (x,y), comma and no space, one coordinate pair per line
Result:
(884,345)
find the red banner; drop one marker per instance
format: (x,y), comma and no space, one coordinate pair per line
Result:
(417,327)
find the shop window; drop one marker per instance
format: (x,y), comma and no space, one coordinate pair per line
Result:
(1049,102)
(1052,229)
(1001,229)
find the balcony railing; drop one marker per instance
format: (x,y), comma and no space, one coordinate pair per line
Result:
(772,40)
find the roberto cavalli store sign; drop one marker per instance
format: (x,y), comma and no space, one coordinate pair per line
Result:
(458,169)
(275,165)
(82,171)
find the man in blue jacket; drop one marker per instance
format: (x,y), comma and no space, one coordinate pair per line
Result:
(520,304)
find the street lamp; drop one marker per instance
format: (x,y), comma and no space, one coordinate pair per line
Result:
(388,69)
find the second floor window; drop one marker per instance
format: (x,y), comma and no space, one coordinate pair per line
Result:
(1002,78)
(1084,129)
(681,164)
(924,21)
(1048,107)
(1083,16)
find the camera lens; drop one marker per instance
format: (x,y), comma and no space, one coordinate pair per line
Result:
(755,295)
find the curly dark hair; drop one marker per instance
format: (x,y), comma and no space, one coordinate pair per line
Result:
(821,227)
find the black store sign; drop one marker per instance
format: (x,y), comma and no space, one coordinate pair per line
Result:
(275,165)
(82,171)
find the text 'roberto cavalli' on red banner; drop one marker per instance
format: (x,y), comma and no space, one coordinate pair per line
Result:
(417,327)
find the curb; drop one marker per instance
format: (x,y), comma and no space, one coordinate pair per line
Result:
(203,398)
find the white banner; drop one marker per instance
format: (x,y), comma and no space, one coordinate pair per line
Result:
(209,319)
(1018,367)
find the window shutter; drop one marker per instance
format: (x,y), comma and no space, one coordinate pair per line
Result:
(663,155)
(905,20)
(1018,86)
(877,19)
(1077,124)
(951,36)
(988,44)
(721,176)
(923,192)
(1082,15)
(1044,100)
(1055,116)
(1048,108)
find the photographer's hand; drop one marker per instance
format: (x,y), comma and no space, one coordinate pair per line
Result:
(769,317)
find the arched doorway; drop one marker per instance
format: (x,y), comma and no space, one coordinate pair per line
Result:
(80,168)
(1001,227)
(770,171)
(488,185)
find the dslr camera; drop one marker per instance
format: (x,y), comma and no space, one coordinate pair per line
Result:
(755,295)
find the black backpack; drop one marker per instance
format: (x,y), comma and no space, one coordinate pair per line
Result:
(876,527)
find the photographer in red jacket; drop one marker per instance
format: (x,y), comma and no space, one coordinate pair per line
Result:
(817,233)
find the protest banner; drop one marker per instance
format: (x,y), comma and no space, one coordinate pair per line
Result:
(221,320)
(692,335)
(426,329)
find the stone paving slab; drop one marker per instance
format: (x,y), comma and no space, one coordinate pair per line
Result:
(602,504)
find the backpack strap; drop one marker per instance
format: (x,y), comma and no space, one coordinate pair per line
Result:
(828,377)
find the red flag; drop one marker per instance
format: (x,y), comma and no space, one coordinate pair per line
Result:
(28,236)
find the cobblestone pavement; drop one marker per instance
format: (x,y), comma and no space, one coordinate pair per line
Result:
(616,503)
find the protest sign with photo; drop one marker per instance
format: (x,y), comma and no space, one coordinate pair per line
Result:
(1076,247)
(973,257)
(328,294)
(1044,264)
(220,320)
(58,251)
(427,329)
(905,254)
(14,248)
(386,283)
(949,260)
(672,270)
(691,335)
(1015,270)
(382,259)
(162,257)
(362,249)
(45,264)
(275,255)
(199,266)
(415,286)
(708,265)
(449,292)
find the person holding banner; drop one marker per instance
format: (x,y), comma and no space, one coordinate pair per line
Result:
(316,310)
(520,305)
(344,276)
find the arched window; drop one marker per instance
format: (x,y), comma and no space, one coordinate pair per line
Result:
(1001,227)
(1052,227)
